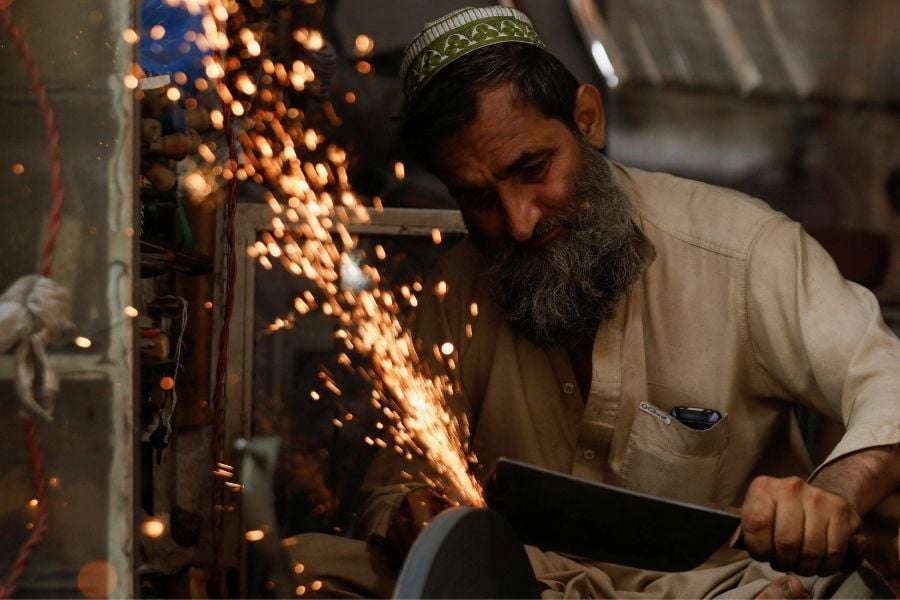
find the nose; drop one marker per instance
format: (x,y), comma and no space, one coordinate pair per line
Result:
(522,214)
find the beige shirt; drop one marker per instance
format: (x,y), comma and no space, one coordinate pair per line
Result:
(740,311)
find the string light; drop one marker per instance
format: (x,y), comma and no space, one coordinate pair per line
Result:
(153,528)
(364,45)
(130,36)
(254,535)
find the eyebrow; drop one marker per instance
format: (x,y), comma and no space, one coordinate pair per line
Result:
(521,161)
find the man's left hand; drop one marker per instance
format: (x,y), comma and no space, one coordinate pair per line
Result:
(799,527)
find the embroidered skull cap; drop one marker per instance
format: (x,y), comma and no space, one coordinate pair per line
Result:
(456,34)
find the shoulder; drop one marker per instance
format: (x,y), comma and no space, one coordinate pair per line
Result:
(710,217)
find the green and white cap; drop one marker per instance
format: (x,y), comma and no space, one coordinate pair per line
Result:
(455,35)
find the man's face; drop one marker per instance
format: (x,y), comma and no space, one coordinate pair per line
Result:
(510,168)
(542,207)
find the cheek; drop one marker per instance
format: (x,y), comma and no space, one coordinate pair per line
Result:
(557,189)
(554,195)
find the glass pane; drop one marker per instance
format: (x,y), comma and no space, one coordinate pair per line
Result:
(324,455)
(87,449)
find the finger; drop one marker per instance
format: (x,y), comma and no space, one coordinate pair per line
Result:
(424,506)
(834,550)
(757,521)
(815,536)
(793,588)
(420,510)
(843,547)
(787,535)
(786,586)
(406,523)
(773,590)
(402,534)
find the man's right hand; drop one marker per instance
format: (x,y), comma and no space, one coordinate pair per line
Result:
(799,527)
(418,508)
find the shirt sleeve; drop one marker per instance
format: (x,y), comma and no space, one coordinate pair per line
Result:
(821,339)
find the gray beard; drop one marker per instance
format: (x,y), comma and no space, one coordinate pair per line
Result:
(562,292)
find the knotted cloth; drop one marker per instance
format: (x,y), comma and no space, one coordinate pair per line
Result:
(31,316)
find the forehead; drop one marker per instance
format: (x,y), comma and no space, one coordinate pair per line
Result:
(505,126)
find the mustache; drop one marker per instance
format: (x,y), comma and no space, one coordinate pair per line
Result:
(548,224)
(566,218)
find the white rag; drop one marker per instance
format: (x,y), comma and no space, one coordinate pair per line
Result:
(31,317)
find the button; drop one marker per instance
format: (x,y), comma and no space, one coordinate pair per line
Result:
(589,454)
(569,388)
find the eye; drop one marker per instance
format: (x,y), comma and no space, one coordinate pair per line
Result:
(536,170)
(475,199)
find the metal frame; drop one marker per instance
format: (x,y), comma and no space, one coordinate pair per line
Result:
(251,219)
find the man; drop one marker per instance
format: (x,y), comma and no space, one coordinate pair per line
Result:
(608,296)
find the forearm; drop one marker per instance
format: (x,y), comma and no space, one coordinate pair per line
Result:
(863,478)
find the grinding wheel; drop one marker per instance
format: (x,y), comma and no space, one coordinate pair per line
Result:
(467,553)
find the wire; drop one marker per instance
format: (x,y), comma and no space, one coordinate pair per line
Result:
(169,410)
(222,362)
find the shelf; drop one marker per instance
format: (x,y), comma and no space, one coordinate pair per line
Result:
(69,367)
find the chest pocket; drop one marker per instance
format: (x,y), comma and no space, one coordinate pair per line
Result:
(666,458)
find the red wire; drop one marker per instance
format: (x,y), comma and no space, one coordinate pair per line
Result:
(53,224)
(40,526)
(222,362)
(40,93)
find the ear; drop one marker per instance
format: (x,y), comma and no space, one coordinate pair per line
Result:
(589,116)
